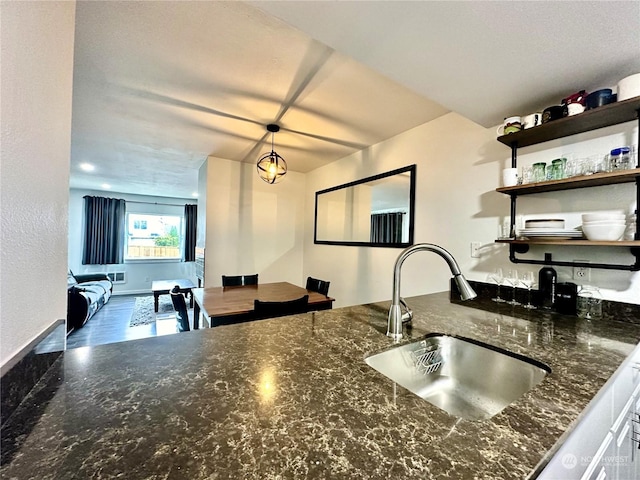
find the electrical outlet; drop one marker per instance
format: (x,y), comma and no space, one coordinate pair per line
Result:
(582,273)
(475,249)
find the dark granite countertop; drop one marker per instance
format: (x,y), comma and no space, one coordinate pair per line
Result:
(293,398)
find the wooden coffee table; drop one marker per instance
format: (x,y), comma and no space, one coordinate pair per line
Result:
(163,287)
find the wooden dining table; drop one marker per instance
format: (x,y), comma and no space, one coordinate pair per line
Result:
(222,305)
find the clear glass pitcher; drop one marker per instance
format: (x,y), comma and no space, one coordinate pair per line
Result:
(589,303)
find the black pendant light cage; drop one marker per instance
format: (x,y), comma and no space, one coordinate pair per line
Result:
(271,166)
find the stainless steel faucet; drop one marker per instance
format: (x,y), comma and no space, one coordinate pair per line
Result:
(396,317)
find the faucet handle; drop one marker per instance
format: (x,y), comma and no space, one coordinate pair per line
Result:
(407,316)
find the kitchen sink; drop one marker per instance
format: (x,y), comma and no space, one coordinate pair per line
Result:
(464,377)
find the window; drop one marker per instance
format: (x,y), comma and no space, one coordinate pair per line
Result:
(154,237)
(139,224)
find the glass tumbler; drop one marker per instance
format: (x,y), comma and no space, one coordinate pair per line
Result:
(602,164)
(558,168)
(539,172)
(526,175)
(589,165)
(573,167)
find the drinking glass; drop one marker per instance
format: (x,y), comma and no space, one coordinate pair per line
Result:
(573,167)
(558,167)
(497,278)
(528,279)
(511,279)
(539,172)
(526,175)
(589,165)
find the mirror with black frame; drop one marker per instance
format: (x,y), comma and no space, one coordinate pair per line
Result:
(376,211)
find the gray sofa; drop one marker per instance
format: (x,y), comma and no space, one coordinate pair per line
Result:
(86,294)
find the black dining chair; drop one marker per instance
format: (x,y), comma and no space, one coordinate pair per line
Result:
(280,309)
(319,286)
(180,306)
(238,280)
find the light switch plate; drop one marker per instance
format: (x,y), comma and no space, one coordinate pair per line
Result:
(475,249)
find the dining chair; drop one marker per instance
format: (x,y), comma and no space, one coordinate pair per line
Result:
(237,280)
(180,306)
(263,309)
(319,286)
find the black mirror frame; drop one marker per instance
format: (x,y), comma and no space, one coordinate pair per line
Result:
(412,201)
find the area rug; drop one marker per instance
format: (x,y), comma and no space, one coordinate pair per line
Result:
(143,313)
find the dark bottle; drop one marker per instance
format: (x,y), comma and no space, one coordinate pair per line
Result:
(547,279)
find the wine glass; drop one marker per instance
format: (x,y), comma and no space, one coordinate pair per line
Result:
(528,279)
(511,279)
(497,278)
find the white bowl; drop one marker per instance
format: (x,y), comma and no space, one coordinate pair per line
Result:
(605,222)
(590,217)
(603,232)
(629,87)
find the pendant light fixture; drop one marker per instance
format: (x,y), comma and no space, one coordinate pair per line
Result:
(271,166)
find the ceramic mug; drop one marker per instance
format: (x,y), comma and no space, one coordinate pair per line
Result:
(552,113)
(509,177)
(510,125)
(574,109)
(532,120)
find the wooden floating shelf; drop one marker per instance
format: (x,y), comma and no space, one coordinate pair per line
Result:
(584,181)
(576,243)
(607,115)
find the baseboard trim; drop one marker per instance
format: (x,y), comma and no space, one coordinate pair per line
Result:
(133,292)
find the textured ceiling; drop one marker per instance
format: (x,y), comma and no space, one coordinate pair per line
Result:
(483,59)
(159,86)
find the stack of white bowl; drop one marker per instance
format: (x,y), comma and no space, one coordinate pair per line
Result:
(604,226)
(630,232)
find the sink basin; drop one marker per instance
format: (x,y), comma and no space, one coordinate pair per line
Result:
(464,377)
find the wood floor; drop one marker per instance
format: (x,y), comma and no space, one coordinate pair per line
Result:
(111,324)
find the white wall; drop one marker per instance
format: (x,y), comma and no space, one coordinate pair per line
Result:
(458,169)
(139,274)
(253,227)
(202,203)
(37,71)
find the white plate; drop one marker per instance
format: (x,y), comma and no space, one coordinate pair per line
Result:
(544,234)
(552,237)
(550,234)
(550,231)
(544,223)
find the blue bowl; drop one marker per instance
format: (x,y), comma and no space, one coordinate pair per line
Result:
(599,98)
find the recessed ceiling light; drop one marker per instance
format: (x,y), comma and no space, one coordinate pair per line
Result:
(106,186)
(194,194)
(87,167)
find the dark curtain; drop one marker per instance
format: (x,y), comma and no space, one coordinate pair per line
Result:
(386,227)
(104,230)
(191,222)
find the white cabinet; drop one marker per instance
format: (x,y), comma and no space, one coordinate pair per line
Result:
(600,468)
(604,444)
